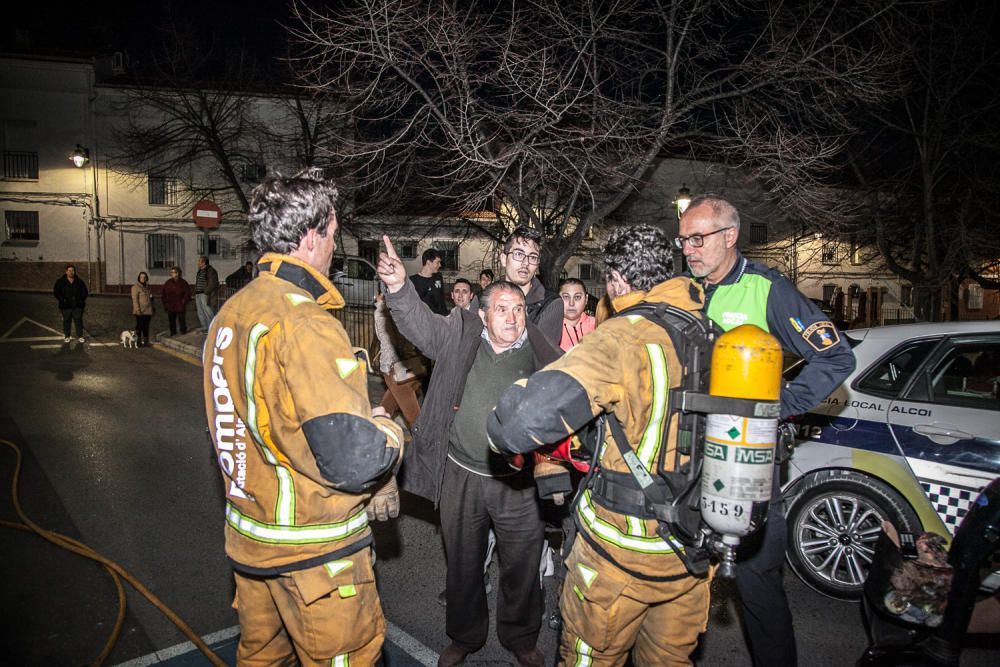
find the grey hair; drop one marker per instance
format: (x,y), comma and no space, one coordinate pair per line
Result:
(499,286)
(283,210)
(722,210)
(641,254)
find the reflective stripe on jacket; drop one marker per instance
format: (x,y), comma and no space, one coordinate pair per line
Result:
(626,366)
(290,420)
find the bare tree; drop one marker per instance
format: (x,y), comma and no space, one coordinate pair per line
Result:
(203,115)
(188,118)
(930,163)
(552,114)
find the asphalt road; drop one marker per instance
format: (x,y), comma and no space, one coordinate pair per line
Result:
(115,454)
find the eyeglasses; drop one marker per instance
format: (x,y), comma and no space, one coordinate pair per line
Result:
(520,256)
(695,240)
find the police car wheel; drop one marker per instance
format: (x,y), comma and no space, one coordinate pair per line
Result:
(833,525)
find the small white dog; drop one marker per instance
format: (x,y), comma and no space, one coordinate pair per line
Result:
(128,339)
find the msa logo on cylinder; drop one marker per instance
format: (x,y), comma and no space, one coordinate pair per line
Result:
(754,455)
(716,451)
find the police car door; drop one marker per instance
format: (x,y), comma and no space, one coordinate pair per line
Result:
(947,423)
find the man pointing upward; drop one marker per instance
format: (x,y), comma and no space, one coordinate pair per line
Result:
(478,353)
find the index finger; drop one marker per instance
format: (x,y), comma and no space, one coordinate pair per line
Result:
(389,250)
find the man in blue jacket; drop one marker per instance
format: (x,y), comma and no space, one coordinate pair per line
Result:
(739,291)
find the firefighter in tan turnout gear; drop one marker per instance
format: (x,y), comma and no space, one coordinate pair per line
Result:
(626,589)
(300,450)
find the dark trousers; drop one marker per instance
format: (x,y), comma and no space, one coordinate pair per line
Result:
(175,319)
(76,315)
(469,504)
(142,328)
(767,620)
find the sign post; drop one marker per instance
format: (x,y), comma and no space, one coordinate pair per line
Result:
(207,215)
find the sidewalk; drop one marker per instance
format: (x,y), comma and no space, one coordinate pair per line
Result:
(190,343)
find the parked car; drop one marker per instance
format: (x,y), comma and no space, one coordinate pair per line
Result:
(355,278)
(912,436)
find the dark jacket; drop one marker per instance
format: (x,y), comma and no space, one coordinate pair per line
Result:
(452,342)
(755,294)
(239,278)
(176,294)
(70,294)
(211,282)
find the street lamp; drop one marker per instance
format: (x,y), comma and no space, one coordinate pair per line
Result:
(79,157)
(682,201)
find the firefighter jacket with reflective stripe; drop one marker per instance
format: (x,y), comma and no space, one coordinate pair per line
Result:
(626,366)
(754,294)
(290,420)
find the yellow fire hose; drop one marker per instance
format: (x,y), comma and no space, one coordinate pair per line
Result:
(116,571)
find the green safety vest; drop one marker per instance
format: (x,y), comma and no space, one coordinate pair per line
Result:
(742,302)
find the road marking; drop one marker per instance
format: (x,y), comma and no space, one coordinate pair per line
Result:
(32,339)
(412,646)
(157,657)
(393,633)
(57,346)
(6,337)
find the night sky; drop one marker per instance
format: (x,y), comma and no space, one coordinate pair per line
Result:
(83,28)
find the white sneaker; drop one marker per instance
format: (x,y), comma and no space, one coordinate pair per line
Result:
(80,340)
(67,339)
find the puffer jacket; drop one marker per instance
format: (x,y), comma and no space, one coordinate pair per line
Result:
(288,411)
(142,300)
(627,366)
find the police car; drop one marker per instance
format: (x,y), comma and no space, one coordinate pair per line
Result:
(911,436)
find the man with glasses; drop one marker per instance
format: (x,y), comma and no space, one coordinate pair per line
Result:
(519,260)
(739,291)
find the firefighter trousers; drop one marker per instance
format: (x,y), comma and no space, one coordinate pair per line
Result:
(608,613)
(325,615)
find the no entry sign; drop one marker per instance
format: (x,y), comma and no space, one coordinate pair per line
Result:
(207,214)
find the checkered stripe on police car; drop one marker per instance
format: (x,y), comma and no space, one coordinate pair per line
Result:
(950,502)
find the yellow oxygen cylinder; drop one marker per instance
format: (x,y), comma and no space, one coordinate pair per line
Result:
(738,467)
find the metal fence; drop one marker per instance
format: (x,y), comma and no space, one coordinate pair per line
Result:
(357,317)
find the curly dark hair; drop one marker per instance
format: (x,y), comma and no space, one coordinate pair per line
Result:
(641,254)
(283,210)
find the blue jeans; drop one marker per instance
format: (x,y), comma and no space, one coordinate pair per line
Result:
(205,310)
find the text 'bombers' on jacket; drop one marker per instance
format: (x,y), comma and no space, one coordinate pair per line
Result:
(288,411)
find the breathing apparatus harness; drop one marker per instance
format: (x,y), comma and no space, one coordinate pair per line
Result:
(670,495)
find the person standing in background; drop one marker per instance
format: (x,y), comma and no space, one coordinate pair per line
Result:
(576,322)
(461,293)
(485,278)
(71,293)
(142,308)
(428,281)
(206,289)
(240,277)
(176,295)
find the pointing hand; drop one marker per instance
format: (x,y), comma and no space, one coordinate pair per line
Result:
(390,267)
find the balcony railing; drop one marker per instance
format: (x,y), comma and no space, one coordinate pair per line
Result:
(20,165)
